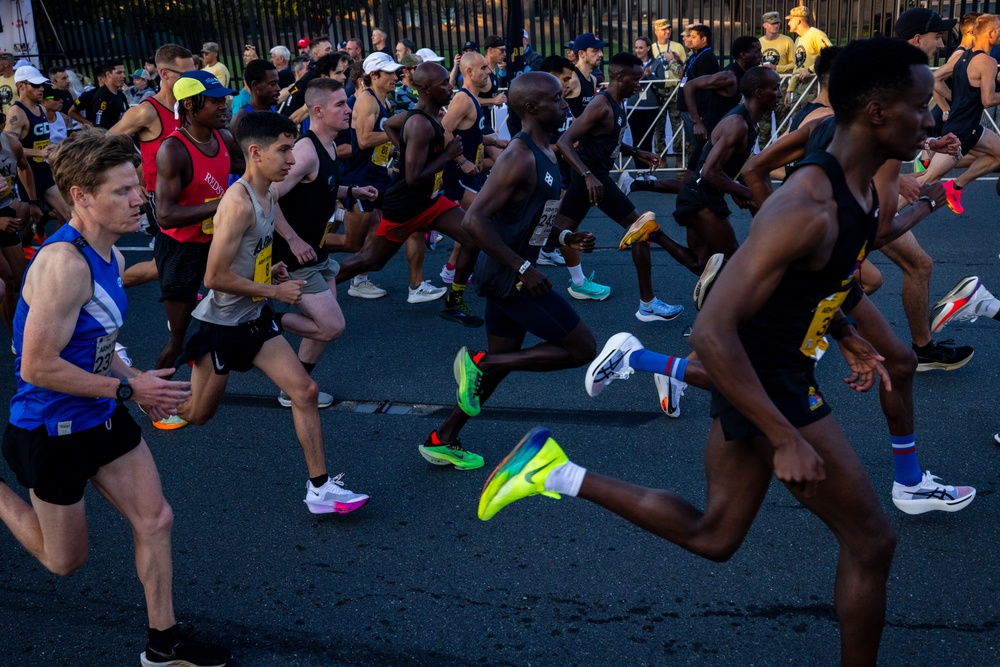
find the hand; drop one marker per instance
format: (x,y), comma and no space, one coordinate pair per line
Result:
(788,99)
(458,59)
(798,466)
(768,65)
(743,202)
(158,396)
(863,361)
(595,188)
(366,192)
(469,167)
(454,147)
(302,251)
(647,158)
(909,187)
(289,292)
(535,282)
(34,213)
(802,74)
(500,99)
(500,143)
(10,224)
(582,241)
(700,133)
(279,272)
(935,191)
(949,144)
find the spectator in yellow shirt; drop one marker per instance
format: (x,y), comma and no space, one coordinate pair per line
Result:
(808,44)
(210,52)
(777,53)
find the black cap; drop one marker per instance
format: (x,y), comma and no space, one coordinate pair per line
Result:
(470,46)
(921,21)
(494,42)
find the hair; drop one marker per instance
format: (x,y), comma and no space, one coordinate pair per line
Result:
(281,52)
(647,40)
(256,71)
(620,62)
(356,40)
(263,128)
(969,21)
(756,78)
(409,43)
(328,63)
(743,44)
(197,104)
(169,53)
(380,29)
(556,64)
(149,60)
(298,63)
(320,89)
(56,69)
(984,24)
(84,158)
(824,62)
(702,30)
(110,65)
(870,69)
(356,73)
(316,41)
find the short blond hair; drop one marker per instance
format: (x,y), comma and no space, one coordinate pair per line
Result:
(85,157)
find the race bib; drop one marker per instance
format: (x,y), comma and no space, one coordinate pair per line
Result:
(262,269)
(543,229)
(822,317)
(381,153)
(39,145)
(438,184)
(479,156)
(104,352)
(207,225)
(329,226)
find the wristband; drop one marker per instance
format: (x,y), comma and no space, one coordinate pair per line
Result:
(927,144)
(524,267)
(462,163)
(837,326)
(562,236)
(931,202)
(350,192)
(586,173)
(34,202)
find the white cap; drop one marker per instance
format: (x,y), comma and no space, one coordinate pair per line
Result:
(22,62)
(428,56)
(30,74)
(380,62)
(525,31)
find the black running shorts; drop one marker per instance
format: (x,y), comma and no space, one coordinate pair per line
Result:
(181,267)
(8,239)
(57,467)
(795,394)
(576,203)
(694,197)
(548,316)
(854,296)
(233,348)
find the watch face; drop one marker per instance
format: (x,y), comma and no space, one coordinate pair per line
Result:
(124,392)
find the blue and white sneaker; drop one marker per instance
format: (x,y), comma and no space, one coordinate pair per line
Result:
(589,289)
(929,494)
(658,311)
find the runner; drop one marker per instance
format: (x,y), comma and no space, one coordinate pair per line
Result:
(510,222)
(14,215)
(752,335)
(234,329)
(68,421)
(261,79)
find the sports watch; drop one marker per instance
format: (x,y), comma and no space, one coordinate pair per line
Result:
(123,392)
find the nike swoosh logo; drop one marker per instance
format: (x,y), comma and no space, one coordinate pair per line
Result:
(530,477)
(215,362)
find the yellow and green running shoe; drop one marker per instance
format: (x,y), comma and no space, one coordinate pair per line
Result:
(452,453)
(468,376)
(522,473)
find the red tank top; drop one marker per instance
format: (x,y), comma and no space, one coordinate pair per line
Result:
(147,149)
(209,176)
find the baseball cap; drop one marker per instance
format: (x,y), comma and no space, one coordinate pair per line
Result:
(30,74)
(210,47)
(49,92)
(304,43)
(494,42)
(921,21)
(23,63)
(471,46)
(771,17)
(410,60)
(428,56)
(200,82)
(661,24)
(380,62)
(525,34)
(800,12)
(141,74)
(587,41)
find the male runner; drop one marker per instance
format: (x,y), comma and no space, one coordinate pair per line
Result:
(232,330)
(261,79)
(589,56)
(770,418)
(109,102)
(414,201)
(511,221)
(68,422)
(13,216)
(725,89)
(599,132)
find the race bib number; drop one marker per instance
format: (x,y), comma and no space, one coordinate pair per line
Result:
(540,236)
(262,269)
(822,317)
(208,224)
(7,184)
(104,352)
(479,156)
(438,184)
(381,153)
(38,146)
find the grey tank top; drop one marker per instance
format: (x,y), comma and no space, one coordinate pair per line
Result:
(8,170)
(252,261)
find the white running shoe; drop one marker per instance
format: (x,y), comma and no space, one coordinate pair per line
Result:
(425,292)
(930,495)
(333,497)
(366,290)
(553,258)
(625,182)
(612,363)
(447,275)
(325,400)
(670,392)
(964,303)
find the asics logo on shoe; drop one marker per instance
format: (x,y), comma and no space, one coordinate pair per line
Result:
(939,494)
(609,367)
(530,477)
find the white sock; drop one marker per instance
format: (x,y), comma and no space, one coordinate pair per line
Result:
(566,479)
(360,278)
(647,304)
(576,273)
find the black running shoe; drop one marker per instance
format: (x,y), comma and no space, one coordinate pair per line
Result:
(460,312)
(942,356)
(185,651)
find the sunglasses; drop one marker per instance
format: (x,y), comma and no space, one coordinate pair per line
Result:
(34,85)
(174,71)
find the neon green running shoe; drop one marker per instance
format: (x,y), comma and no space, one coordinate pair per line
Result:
(468,377)
(522,473)
(452,453)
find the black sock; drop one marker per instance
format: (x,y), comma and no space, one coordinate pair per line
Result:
(309,367)
(162,637)
(923,348)
(957,186)
(641,186)
(319,481)
(654,236)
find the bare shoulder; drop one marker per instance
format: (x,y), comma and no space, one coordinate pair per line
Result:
(60,273)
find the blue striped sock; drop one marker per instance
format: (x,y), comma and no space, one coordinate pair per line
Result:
(654,362)
(904,459)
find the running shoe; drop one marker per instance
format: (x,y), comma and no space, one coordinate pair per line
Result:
(452,453)
(589,289)
(670,392)
(996,438)
(425,292)
(468,376)
(171,423)
(366,290)
(953,196)
(930,495)
(612,363)
(431,239)
(961,304)
(658,311)
(554,258)
(942,356)
(625,182)
(184,650)
(522,473)
(333,497)
(447,275)
(712,268)
(460,312)
(122,353)
(325,400)
(639,230)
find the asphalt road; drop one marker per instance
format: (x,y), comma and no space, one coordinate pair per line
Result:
(415,578)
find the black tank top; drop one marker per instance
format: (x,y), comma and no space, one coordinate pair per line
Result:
(801,114)
(821,135)
(600,152)
(578,104)
(523,226)
(369,166)
(308,208)
(738,158)
(966,100)
(723,104)
(789,325)
(403,202)
(38,134)
(490,94)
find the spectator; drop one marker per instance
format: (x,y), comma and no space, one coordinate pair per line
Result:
(532,59)
(404,47)
(8,90)
(149,64)
(60,81)
(280,58)
(645,103)
(404,97)
(456,70)
(428,56)
(355,50)
(249,54)
(303,46)
(215,67)
(808,44)
(700,62)
(571,52)
(85,103)
(110,103)
(140,88)
(380,41)
(673,55)
(777,53)
(333,66)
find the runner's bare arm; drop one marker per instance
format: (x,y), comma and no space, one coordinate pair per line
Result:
(785,150)
(173,171)
(728,137)
(237,161)
(363,120)
(596,113)
(233,219)
(139,120)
